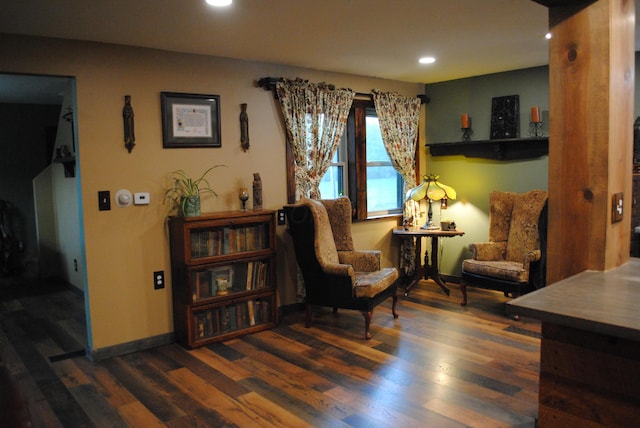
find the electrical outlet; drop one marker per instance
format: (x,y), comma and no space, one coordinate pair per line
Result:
(281,218)
(75,265)
(616,207)
(158,280)
(104,200)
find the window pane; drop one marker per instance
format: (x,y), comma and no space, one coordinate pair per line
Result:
(384,189)
(331,183)
(375,148)
(384,184)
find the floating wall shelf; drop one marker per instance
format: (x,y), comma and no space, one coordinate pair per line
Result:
(506,149)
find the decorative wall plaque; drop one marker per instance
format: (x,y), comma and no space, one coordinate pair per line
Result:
(505,117)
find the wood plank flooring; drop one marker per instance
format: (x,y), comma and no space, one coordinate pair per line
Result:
(437,365)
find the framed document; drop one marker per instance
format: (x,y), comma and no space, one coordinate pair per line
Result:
(190,120)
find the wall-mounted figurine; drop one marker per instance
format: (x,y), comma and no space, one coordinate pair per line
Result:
(127,116)
(244,127)
(257,191)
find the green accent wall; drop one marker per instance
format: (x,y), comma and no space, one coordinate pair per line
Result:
(474,178)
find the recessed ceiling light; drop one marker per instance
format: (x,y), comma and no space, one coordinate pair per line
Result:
(547,36)
(219,3)
(427,60)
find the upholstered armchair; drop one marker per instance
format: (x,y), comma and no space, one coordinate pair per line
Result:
(336,275)
(514,259)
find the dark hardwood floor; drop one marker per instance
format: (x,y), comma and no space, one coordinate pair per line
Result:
(438,365)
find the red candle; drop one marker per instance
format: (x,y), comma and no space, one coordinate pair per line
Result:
(535,114)
(465,121)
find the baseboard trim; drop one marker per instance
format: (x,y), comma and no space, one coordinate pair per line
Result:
(129,347)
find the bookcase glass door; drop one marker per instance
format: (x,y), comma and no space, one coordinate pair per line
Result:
(211,242)
(226,319)
(228,279)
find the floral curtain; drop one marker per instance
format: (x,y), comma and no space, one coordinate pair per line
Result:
(315,116)
(398,117)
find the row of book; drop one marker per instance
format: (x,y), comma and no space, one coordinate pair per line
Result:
(239,277)
(217,321)
(228,240)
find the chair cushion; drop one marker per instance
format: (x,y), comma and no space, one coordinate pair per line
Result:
(504,270)
(339,212)
(523,232)
(368,284)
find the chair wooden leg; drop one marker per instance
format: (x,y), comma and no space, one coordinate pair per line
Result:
(367,324)
(463,288)
(307,319)
(393,306)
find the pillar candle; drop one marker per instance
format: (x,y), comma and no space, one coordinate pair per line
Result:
(535,114)
(465,121)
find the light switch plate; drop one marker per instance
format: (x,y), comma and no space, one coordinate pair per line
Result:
(104,200)
(616,207)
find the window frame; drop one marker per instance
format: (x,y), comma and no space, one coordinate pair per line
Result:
(356,163)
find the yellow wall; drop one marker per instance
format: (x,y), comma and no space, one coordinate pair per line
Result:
(125,246)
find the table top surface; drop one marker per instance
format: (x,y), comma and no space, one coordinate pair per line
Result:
(417,231)
(600,302)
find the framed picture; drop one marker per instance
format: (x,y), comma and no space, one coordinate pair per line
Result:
(190,120)
(221,273)
(505,117)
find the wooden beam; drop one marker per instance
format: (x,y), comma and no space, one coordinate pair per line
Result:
(591,86)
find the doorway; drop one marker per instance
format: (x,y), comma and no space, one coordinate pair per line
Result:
(40,187)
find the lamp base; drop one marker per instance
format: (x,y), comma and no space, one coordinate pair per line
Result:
(430,225)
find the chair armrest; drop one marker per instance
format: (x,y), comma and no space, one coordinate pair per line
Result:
(362,261)
(339,269)
(531,256)
(487,251)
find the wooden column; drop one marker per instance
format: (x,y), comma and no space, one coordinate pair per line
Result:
(591,85)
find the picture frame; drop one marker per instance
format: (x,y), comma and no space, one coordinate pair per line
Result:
(505,117)
(223,271)
(190,120)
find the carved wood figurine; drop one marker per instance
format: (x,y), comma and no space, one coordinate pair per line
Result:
(244,127)
(257,191)
(127,116)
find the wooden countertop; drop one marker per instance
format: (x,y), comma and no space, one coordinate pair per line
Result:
(600,302)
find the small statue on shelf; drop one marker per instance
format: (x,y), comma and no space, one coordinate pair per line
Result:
(257,191)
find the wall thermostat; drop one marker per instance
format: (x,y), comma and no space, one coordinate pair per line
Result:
(141,198)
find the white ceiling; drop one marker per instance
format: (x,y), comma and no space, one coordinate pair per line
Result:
(379,38)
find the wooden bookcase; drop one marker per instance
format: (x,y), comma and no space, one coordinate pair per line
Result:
(238,246)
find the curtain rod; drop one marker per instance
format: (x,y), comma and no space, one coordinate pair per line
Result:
(269,84)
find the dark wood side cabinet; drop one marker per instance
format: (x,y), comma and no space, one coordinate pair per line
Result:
(223,275)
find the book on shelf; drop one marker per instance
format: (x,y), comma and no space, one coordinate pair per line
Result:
(242,315)
(250,266)
(200,321)
(233,317)
(225,321)
(251,312)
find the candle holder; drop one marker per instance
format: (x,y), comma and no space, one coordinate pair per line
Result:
(466,134)
(244,196)
(535,129)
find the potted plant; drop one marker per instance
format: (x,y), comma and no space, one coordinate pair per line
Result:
(185,192)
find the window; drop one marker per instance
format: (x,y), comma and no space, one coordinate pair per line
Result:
(361,168)
(334,182)
(375,188)
(385,187)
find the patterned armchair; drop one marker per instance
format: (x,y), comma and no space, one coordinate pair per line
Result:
(514,259)
(335,274)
